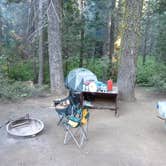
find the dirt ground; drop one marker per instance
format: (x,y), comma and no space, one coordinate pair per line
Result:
(136,138)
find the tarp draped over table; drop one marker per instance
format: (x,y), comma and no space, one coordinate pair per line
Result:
(77,77)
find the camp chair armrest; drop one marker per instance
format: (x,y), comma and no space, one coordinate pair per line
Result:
(58,101)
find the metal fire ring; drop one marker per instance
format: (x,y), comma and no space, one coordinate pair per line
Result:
(25,127)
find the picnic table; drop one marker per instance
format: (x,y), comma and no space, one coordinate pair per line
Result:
(102,100)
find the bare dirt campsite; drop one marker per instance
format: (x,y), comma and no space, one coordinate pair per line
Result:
(135,138)
(70,71)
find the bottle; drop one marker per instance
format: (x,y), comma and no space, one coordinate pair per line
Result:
(83,87)
(109,85)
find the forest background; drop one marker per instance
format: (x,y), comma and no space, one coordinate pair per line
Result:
(91,32)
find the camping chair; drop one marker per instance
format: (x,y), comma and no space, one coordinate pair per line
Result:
(63,109)
(76,127)
(67,106)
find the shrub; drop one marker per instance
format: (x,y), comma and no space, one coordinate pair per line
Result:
(22,71)
(15,90)
(146,71)
(99,66)
(159,79)
(152,74)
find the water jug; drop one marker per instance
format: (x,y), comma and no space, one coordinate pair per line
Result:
(109,85)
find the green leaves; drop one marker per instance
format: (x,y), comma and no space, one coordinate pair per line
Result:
(15,90)
(152,73)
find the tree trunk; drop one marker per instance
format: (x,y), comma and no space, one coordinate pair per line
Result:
(40,49)
(54,44)
(111,35)
(145,46)
(147,26)
(112,29)
(1,24)
(82,48)
(82,33)
(127,67)
(33,25)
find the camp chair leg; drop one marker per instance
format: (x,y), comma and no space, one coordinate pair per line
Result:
(85,130)
(61,118)
(68,137)
(83,134)
(71,136)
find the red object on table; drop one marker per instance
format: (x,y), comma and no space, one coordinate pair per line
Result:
(109,85)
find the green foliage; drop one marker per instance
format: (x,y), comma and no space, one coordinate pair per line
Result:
(161,39)
(70,28)
(159,11)
(70,64)
(145,72)
(159,79)
(15,90)
(46,73)
(99,66)
(22,71)
(12,90)
(152,74)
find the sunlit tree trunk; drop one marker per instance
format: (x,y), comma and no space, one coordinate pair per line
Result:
(54,44)
(127,67)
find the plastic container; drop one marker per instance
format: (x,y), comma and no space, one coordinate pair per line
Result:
(161,108)
(109,85)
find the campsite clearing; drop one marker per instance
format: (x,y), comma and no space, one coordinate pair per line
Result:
(136,138)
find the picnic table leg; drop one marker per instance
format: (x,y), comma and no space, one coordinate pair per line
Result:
(116,107)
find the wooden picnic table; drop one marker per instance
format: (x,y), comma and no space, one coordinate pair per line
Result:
(102,100)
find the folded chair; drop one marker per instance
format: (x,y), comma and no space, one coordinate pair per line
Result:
(76,127)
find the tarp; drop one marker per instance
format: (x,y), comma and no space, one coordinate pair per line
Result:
(77,77)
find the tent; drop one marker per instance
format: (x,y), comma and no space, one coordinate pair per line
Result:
(77,77)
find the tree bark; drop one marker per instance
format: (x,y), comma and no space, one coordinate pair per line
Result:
(145,45)
(40,49)
(127,68)
(54,44)
(1,23)
(82,33)
(146,35)
(112,37)
(112,29)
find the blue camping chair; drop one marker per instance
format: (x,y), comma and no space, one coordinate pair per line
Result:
(73,117)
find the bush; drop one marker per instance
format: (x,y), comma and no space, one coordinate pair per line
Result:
(159,79)
(146,71)
(99,66)
(70,63)
(152,74)
(22,71)
(15,90)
